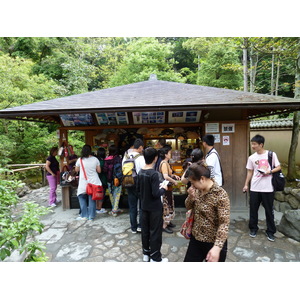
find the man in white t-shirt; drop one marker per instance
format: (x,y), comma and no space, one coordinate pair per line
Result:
(259,173)
(212,158)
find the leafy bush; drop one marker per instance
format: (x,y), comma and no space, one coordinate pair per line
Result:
(19,224)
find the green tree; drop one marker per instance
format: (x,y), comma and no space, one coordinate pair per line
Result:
(221,68)
(145,56)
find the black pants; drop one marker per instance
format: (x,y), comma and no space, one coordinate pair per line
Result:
(152,222)
(197,251)
(267,201)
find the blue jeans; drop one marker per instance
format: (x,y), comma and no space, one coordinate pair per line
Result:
(133,208)
(87,206)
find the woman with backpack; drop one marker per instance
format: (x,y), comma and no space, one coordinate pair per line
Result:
(101,153)
(113,171)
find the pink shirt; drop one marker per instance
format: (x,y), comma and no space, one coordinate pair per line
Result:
(259,181)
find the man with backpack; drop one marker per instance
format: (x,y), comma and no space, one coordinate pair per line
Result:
(133,162)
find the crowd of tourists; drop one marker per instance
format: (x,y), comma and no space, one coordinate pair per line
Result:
(148,178)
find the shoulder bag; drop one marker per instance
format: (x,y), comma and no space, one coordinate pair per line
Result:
(92,189)
(278,180)
(186,228)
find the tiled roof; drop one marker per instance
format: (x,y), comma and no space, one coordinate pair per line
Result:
(154,95)
(276,123)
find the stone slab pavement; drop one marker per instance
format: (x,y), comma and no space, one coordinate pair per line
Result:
(109,239)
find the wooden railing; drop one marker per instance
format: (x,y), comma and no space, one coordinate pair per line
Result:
(28,167)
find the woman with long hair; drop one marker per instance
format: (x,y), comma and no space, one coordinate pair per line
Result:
(52,168)
(211,207)
(168,198)
(91,166)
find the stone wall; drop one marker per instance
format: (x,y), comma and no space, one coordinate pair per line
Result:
(288,202)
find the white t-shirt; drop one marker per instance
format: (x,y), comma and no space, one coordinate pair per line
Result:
(89,165)
(139,161)
(212,160)
(259,181)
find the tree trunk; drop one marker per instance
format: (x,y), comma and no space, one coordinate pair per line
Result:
(253,69)
(272,75)
(277,76)
(245,46)
(291,175)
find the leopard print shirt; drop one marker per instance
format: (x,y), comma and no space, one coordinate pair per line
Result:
(211,215)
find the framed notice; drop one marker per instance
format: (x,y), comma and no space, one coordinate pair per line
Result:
(212,127)
(156,117)
(228,128)
(115,118)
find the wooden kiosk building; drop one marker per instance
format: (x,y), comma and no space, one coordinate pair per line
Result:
(180,113)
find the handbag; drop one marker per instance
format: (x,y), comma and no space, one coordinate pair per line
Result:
(278,180)
(93,189)
(186,228)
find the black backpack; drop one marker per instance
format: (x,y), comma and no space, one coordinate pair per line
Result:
(278,180)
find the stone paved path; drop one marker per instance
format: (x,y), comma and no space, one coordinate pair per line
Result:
(109,239)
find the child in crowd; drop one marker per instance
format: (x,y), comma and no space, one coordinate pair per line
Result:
(150,191)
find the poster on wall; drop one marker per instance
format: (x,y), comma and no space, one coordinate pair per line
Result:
(148,117)
(211,127)
(115,118)
(77,119)
(226,140)
(184,116)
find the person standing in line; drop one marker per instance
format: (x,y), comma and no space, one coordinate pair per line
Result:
(133,200)
(52,168)
(91,166)
(211,206)
(196,156)
(150,191)
(101,154)
(114,192)
(159,145)
(212,158)
(259,173)
(168,198)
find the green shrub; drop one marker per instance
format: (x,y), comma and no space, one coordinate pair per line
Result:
(19,224)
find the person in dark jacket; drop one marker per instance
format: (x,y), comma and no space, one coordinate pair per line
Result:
(150,191)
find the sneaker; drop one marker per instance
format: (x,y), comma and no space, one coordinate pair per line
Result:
(81,219)
(101,211)
(167,230)
(270,236)
(58,201)
(146,258)
(133,231)
(52,205)
(162,260)
(139,229)
(253,233)
(171,225)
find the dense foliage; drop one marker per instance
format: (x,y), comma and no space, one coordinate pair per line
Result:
(40,68)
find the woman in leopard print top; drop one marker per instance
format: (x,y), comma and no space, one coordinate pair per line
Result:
(211,206)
